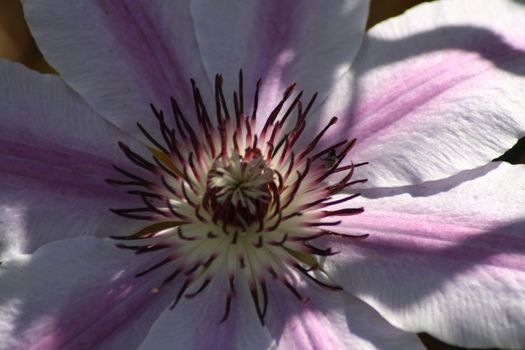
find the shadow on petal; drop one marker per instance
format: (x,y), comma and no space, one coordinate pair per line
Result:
(468,292)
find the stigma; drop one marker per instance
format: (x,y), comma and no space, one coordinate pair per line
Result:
(223,195)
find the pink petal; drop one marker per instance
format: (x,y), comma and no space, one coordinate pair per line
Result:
(55,154)
(121,55)
(79,293)
(307,42)
(444,258)
(435,91)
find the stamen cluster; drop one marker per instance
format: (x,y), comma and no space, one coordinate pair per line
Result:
(227,200)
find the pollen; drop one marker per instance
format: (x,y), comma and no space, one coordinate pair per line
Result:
(236,199)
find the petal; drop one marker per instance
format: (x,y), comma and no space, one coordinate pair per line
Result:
(435,91)
(195,323)
(121,55)
(79,293)
(444,258)
(307,42)
(55,154)
(331,320)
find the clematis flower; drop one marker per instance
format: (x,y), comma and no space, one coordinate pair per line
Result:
(149,202)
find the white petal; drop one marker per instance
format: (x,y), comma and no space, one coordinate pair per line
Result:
(55,154)
(435,91)
(196,323)
(311,43)
(444,258)
(80,294)
(331,320)
(121,55)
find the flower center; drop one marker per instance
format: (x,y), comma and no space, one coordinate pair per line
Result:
(240,190)
(228,200)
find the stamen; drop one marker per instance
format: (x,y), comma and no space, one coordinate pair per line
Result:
(167,134)
(304,272)
(181,293)
(294,291)
(236,202)
(201,288)
(135,158)
(154,267)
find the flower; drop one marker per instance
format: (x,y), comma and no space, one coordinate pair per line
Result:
(438,247)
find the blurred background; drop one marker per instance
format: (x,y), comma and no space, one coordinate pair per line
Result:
(17,44)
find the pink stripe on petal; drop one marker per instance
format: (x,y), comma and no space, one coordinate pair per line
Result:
(82,294)
(306,42)
(416,88)
(143,42)
(301,325)
(55,154)
(57,169)
(421,236)
(434,92)
(443,257)
(331,320)
(93,321)
(122,56)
